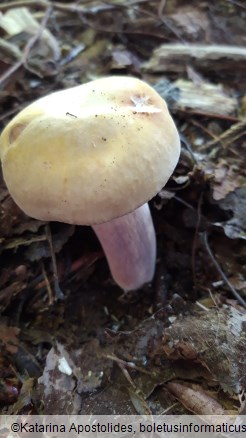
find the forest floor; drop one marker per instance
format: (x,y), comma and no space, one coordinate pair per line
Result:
(178,345)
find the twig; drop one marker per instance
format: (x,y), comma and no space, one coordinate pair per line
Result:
(161,7)
(237,3)
(130,365)
(121,364)
(194,243)
(63,7)
(167,22)
(177,198)
(48,286)
(212,297)
(188,147)
(229,136)
(58,290)
(201,306)
(22,4)
(10,112)
(27,48)
(203,128)
(196,112)
(221,272)
(169,408)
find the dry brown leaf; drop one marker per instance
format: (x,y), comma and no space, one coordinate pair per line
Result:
(57,384)
(196,401)
(25,397)
(234,202)
(191,21)
(226,180)
(9,338)
(19,20)
(216,339)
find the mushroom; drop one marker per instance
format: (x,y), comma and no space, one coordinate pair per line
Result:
(95,155)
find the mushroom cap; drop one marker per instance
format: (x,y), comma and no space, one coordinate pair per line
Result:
(91,153)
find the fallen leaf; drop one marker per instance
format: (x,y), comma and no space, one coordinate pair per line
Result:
(196,401)
(216,339)
(9,338)
(235,202)
(225,180)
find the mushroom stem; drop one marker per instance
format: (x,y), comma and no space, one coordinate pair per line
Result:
(129,244)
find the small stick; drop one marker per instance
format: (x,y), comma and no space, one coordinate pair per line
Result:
(48,286)
(194,243)
(229,136)
(32,41)
(58,291)
(221,272)
(130,365)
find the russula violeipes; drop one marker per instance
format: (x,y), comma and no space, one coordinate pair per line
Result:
(94,155)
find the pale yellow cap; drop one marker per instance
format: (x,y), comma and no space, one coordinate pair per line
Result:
(91,153)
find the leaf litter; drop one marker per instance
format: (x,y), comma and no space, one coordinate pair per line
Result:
(66,331)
